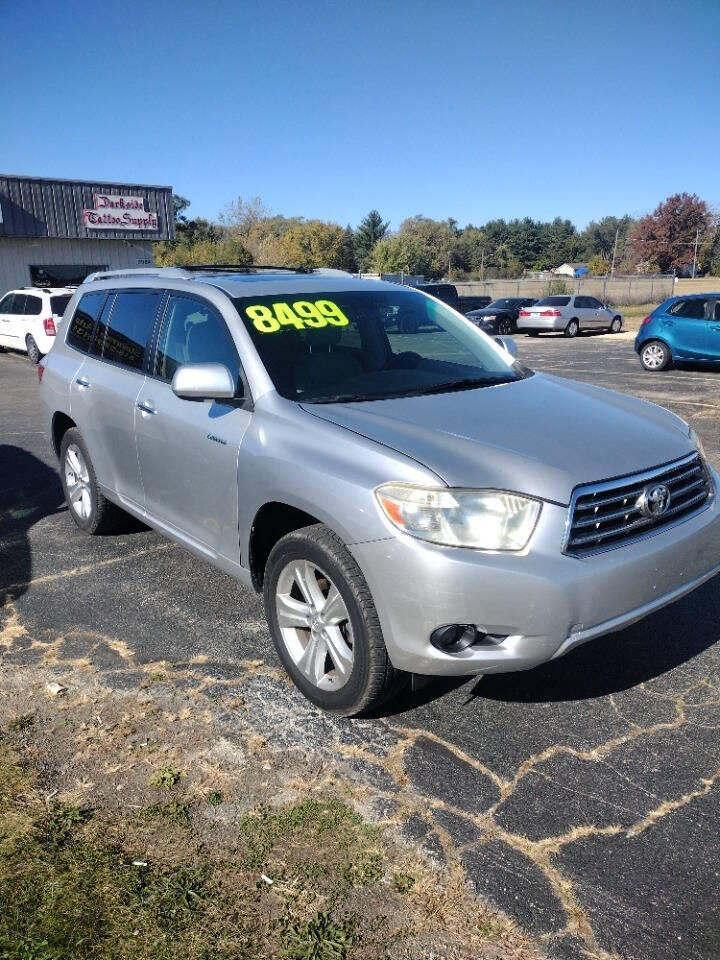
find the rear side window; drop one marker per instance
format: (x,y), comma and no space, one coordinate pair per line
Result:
(553,302)
(193,332)
(83,322)
(58,304)
(18,304)
(129,326)
(33,306)
(6,303)
(695,308)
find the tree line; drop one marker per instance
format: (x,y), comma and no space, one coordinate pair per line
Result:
(681,230)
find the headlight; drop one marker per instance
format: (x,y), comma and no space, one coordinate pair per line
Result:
(482,519)
(696,441)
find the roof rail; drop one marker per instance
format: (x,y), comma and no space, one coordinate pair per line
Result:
(241,268)
(138,272)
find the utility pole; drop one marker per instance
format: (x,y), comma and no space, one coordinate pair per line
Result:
(612,268)
(482,264)
(697,237)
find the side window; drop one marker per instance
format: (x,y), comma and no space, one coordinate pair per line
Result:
(18,304)
(6,303)
(193,332)
(581,303)
(717,309)
(592,302)
(33,306)
(83,322)
(695,308)
(129,327)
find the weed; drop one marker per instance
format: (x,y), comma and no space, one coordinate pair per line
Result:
(21,723)
(166,778)
(403,882)
(215,798)
(320,938)
(55,829)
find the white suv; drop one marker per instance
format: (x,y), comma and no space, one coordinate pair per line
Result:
(29,318)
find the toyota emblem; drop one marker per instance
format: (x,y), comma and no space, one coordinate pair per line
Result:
(654,501)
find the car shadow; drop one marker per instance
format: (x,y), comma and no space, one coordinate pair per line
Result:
(30,490)
(610,664)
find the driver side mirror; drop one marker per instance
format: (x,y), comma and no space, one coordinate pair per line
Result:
(508,344)
(203,381)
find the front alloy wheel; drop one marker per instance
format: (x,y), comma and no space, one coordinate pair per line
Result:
(505,326)
(314,624)
(324,623)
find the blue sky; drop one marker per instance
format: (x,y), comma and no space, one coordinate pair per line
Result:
(493,108)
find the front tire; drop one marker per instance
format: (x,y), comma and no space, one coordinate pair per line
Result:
(33,351)
(324,623)
(572,329)
(506,327)
(90,510)
(655,356)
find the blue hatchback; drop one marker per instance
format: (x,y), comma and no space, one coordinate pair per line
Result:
(681,329)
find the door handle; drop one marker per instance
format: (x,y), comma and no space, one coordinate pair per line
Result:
(82,382)
(716,327)
(145,407)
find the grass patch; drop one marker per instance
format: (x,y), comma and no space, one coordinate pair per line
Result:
(166,778)
(101,884)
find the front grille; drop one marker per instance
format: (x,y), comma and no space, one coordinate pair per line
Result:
(607,515)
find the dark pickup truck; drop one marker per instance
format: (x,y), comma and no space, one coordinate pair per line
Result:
(447,292)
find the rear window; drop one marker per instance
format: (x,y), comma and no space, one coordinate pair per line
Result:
(553,302)
(58,304)
(83,322)
(128,327)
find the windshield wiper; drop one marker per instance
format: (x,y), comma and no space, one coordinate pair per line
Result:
(467,383)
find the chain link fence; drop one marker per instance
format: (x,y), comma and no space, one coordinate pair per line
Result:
(618,289)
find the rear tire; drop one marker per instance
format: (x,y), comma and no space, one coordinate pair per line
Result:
(350,673)
(572,329)
(90,510)
(616,325)
(33,351)
(655,356)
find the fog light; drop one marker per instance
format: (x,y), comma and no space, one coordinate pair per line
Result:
(455,637)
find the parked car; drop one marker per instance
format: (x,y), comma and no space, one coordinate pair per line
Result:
(447,292)
(29,318)
(398,516)
(681,329)
(569,315)
(501,315)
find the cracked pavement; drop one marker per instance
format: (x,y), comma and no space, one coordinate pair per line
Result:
(581,797)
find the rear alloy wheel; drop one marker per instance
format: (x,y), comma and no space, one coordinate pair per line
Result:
(616,325)
(88,507)
(33,351)
(324,624)
(572,329)
(505,326)
(655,356)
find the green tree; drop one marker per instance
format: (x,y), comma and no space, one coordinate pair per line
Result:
(372,229)
(312,243)
(349,261)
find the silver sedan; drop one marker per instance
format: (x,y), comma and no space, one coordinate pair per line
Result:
(568,314)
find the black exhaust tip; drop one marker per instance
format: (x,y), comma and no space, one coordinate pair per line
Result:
(455,637)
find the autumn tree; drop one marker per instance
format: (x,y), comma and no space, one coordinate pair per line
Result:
(598,265)
(665,239)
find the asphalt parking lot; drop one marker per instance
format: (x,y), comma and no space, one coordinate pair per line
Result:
(580,797)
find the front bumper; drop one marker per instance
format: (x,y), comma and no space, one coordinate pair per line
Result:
(543,602)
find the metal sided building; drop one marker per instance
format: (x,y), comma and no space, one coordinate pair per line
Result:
(55,232)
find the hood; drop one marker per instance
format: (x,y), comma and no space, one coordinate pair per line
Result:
(542,436)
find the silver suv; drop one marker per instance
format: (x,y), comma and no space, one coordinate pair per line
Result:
(408,503)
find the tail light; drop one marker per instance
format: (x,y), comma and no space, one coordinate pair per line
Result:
(524,313)
(646,321)
(550,313)
(41,371)
(49,325)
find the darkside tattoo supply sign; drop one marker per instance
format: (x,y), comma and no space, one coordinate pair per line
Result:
(114,212)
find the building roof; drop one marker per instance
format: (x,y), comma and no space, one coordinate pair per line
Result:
(43,207)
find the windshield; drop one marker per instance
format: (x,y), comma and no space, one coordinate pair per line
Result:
(503,304)
(368,345)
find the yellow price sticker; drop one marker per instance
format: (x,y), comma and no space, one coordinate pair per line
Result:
(302,314)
